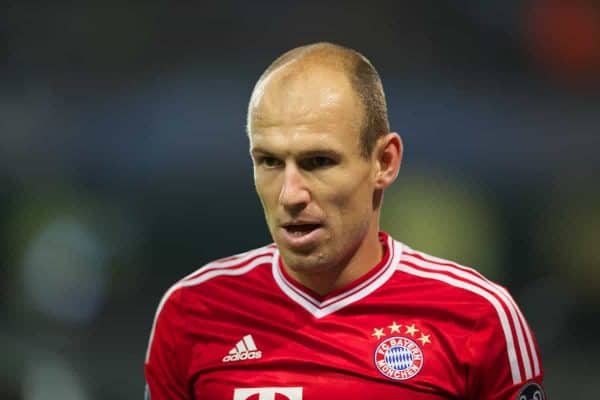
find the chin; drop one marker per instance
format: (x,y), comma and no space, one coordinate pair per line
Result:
(310,262)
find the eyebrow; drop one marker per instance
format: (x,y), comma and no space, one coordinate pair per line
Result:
(301,154)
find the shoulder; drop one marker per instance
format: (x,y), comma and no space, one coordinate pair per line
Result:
(176,301)
(235,265)
(455,278)
(495,315)
(463,288)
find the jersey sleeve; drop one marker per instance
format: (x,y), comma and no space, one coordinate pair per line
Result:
(504,357)
(165,364)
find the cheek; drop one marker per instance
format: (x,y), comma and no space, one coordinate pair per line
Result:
(352,196)
(263,197)
(264,188)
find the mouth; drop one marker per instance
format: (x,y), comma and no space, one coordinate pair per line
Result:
(301,235)
(301,229)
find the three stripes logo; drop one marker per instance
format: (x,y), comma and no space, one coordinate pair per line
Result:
(245,349)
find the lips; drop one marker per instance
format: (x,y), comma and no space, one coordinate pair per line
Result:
(301,235)
(301,229)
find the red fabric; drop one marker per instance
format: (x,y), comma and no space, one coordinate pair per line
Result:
(439,324)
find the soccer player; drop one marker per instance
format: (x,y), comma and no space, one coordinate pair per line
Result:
(334,308)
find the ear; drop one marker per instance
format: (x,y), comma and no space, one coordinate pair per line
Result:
(388,157)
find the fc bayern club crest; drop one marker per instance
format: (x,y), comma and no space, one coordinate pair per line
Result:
(398,358)
(399,353)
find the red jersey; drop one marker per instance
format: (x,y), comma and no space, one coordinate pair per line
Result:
(414,327)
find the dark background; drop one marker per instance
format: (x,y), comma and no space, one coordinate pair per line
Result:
(124,164)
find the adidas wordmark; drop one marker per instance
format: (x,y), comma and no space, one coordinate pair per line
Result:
(245,349)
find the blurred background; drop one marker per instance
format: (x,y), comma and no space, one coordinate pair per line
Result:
(124,164)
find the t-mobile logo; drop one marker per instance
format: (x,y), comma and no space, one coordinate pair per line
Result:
(272,393)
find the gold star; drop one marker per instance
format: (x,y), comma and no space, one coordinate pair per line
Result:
(411,330)
(394,327)
(378,332)
(424,339)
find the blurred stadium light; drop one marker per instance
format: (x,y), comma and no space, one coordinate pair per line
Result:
(64,271)
(444,215)
(564,39)
(566,239)
(49,377)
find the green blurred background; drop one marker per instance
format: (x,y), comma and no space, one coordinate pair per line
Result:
(124,164)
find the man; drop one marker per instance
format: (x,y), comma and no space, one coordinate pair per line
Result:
(334,308)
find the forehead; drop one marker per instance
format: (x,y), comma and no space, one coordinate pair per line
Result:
(301,142)
(305,106)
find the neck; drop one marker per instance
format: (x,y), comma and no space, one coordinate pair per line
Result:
(362,260)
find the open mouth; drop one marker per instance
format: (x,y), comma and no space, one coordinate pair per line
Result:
(301,229)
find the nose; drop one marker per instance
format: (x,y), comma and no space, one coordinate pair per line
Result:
(294,195)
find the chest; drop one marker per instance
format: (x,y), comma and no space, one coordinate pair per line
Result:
(377,354)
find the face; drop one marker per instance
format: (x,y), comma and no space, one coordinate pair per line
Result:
(315,187)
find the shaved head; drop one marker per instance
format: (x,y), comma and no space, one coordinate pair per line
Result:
(302,62)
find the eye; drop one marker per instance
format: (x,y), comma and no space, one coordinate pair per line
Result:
(269,162)
(318,162)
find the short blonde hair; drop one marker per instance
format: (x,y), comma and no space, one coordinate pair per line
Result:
(364,80)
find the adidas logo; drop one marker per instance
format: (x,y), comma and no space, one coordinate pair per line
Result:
(245,349)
